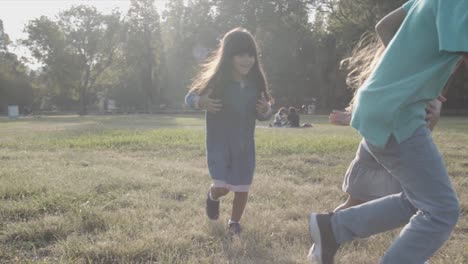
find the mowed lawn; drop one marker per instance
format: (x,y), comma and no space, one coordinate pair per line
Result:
(131,189)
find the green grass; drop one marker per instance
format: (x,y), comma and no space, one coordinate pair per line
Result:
(131,189)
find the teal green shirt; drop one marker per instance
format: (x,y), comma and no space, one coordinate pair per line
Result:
(412,71)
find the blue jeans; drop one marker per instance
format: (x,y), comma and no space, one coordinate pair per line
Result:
(428,205)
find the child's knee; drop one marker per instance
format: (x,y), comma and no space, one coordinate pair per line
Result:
(452,213)
(447,215)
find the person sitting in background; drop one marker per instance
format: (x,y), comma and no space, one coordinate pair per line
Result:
(293,117)
(281,118)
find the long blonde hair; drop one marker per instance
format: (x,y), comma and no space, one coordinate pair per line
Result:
(362,62)
(218,67)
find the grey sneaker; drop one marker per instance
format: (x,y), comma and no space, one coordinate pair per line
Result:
(325,247)
(212,208)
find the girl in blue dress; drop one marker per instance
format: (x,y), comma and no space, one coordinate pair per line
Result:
(233,90)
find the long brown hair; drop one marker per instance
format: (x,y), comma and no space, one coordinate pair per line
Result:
(218,67)
(362,62)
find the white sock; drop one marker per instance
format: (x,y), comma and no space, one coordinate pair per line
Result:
(232,222)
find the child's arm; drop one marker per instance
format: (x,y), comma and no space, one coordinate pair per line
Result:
(192,99)
(387,27)
(340,118)
(264,110)
(433,111)
(434,107)
(198,102)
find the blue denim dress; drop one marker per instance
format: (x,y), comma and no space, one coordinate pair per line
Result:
(230,142)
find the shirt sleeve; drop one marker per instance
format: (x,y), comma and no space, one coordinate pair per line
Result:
(452,25)
(406,6)
(191,100)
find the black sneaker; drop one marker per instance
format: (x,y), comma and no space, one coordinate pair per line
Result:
(235,228)
(212,208)
(325,247)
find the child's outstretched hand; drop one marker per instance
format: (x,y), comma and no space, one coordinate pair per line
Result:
(209,104)
(262,106)
(433,109)
(340,118)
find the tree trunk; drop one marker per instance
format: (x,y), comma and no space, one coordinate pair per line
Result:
(83,102)
(84,94)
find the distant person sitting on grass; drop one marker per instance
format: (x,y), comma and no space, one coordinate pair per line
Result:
(281,118)
(304,109)
(293,117)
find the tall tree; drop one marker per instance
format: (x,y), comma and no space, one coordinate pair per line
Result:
(4,39)
(76,49)
(47,43)
(189,35)
(143,49)
(338,25)
(94,38)
(15,88)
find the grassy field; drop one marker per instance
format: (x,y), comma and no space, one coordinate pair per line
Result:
(131,189)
